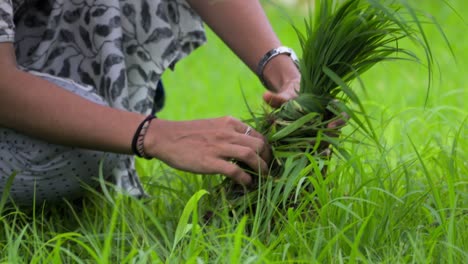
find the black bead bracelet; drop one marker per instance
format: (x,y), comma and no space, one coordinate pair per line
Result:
(139,137)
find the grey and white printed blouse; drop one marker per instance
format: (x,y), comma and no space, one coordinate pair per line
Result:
(120,48)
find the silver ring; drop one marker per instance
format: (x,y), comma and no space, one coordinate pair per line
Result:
(248,131)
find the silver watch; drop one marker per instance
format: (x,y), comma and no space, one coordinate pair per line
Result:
(270,55)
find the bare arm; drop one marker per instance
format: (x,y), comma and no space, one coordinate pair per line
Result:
(41,109)
(242,24)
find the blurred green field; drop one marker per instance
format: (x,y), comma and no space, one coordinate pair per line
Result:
(407,203)
(208,83)
(424,131)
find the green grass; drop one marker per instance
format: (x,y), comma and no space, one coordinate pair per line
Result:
(406,202)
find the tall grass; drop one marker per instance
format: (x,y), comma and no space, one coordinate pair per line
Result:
(405,202)
(342,41)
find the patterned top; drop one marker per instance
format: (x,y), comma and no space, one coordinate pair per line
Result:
(119,47)
(116,48)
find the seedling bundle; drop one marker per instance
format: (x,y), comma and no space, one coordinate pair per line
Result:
(341,41)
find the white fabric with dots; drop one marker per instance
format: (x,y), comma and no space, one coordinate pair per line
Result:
(44,171)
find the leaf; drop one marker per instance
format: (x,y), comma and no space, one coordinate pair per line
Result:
(183,227)
(6,191)
(236,252)
(293,126)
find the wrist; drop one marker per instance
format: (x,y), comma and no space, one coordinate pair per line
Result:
(153,138)
(280,73)
(139,138)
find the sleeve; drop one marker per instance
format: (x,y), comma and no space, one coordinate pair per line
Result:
(7,27)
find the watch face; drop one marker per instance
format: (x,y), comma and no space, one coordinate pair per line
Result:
(294,58)
(291,53)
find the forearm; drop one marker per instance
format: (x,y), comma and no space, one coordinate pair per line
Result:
(243,25)
(43,110)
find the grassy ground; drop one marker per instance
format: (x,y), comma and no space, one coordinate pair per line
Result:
(407,202)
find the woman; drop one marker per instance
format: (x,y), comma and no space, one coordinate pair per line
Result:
(79,82)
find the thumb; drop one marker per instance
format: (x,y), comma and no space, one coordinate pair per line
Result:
(273,99)
(277,99)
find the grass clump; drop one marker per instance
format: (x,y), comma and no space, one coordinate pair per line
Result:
(341,42)
(403,202)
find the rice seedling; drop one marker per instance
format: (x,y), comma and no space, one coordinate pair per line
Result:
(342,40)
(403,203)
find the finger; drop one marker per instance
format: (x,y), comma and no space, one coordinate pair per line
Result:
(247,130)
(245,139)
(256,134)
(258,144)
(266,150)
(232,171)
(336,124)
(247,156)
(274,100)
(235,124)
(339,122)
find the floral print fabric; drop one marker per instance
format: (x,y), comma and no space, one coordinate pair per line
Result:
(119,48)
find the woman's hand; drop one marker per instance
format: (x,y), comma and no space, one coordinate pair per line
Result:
(290,91)
(287,92)
(209,146)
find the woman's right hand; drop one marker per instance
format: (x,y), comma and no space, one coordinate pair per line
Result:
(209,146)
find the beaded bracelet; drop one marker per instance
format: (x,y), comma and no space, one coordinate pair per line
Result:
(139,137)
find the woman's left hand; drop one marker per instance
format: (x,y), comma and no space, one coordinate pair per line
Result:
(290,91)
(287,92)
